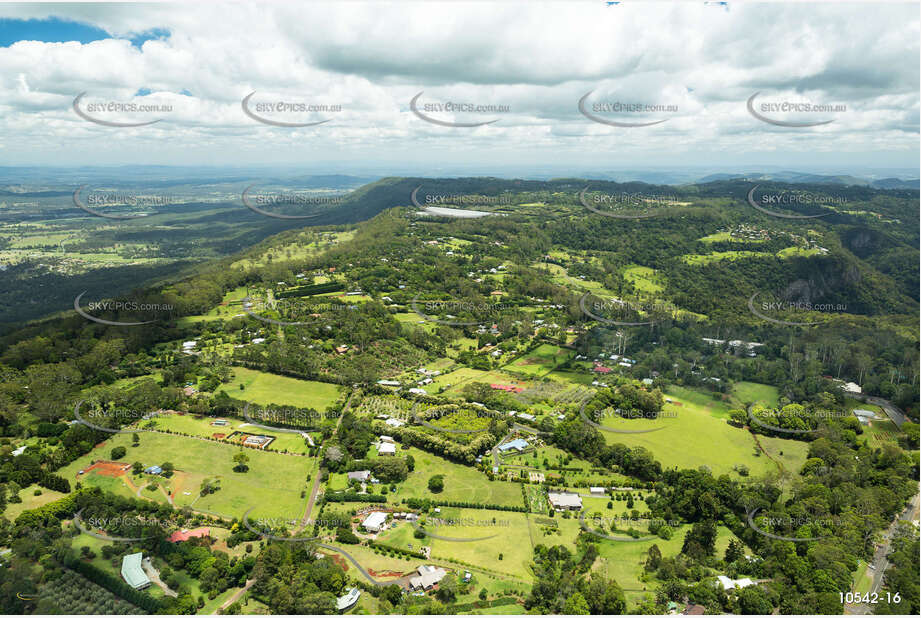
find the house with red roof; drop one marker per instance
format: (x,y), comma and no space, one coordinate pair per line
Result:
(185,535)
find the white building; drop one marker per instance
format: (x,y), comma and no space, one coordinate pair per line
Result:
(733,584)
(562,501)
(428,576)
(386,448)
(375,522)
(349,599)
(133,573)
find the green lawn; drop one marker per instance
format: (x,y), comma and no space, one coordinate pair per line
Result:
(624,561)
(718,256)
(797,252)
(863,578)
(201,426)
(267,389)
(229,307)
(752,392)
(511,539)
(461,483)
(273,483)
(645,279)
(698,424)
(30,501)
(540,361)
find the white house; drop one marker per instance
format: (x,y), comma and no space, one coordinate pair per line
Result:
(561,501)
(347,600)
(133,573)
(386,448)
(375,522)
(428,576)
(733,584)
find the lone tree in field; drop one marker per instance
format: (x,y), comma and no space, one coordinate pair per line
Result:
(241,459)
(437,484)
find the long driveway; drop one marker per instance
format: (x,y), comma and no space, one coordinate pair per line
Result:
(305,520)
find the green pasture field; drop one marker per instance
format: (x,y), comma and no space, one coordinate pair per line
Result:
(30,501)
(509,537)
(230,306)
(201,426)
(797,252)
(752,392)
(461,483)
(623,561)
(267,388)
(727,237)
(273,483)
(645,279)
(699,426)
(540,361)
(571,377)
(719,256)
(296,251)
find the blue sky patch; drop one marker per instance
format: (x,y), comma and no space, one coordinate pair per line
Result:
(55,30)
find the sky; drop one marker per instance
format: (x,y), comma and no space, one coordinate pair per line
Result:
(528,63)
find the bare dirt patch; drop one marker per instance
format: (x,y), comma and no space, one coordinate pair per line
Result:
(385,573)
(109,468)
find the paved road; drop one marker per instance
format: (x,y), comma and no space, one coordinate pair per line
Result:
(154,576)
(351,559)
(888,407)
(316,481)
(880,561)
(239,593)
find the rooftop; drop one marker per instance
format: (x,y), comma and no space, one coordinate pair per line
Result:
(132,571)
(518,444)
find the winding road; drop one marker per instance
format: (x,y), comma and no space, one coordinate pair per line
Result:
(880,561)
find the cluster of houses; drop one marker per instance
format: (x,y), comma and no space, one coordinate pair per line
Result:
(376,521)
(428,374)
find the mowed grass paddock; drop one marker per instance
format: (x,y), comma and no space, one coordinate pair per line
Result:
(751,392)
(273,483)
(264,388)
(541,360)
(695,433)
(201,426)
(509,531)
(461,483)
(624,561)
